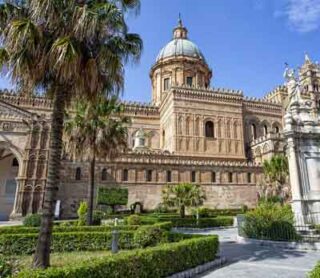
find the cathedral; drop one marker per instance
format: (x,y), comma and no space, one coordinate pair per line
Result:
(190,132)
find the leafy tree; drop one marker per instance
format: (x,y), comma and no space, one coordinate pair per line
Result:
(66,49)
(276,172)
(112,197)
(98,129)
(183,195)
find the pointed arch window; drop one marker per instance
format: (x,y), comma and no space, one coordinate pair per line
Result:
(78,174)
(209,129)
(104,174)
(254,131)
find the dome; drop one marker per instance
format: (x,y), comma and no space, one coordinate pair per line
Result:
(180,47)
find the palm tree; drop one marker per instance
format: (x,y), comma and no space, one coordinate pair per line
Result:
(67,49)
(276,171)
(183,195)
(98,129)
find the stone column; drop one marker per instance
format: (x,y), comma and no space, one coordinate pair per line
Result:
(17,209)
(294,170)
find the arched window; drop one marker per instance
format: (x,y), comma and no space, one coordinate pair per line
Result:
(78,174)
(209,128)
(193,176)
(149,175)
(249,177)
(253,131)
(230,177)
(169,176)
(213,177)
(265,129)
(125,175)
(15,162)
(104,174)
(276,129)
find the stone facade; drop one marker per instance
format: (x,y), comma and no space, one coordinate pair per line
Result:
(189,133)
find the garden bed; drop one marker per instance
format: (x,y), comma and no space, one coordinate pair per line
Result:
(160,261)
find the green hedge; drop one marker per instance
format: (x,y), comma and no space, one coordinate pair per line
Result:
(315,273)
(112,196)
(218,221)
(156,262)
(66,229)
(24,244)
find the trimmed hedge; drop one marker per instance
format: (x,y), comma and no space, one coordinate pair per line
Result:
(315,273)
(192,222)
(66,229)
(24,244)
(156,262)
(112,196)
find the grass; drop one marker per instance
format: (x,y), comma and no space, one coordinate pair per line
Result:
(64,259)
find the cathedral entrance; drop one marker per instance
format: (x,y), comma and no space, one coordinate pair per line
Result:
(9,170)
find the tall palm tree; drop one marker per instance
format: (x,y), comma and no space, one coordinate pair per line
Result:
(98,129)
(183,195)
(67,49)
(276,171)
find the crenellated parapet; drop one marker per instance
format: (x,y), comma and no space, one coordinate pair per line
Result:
(167,158)
(11,97)
(134,108)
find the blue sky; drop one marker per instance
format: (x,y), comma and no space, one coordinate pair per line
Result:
(245,42)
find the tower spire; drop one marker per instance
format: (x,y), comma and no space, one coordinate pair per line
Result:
(180,21)
(180,32)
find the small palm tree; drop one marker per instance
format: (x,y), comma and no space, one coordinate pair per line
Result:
(276,171)
(67,49)
(183,195)
(98,129)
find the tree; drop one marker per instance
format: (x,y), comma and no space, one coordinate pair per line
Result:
(98,129)
(276,172)
(112,197)
(183,195)
(66,49)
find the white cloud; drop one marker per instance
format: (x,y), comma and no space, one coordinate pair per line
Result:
(303,15)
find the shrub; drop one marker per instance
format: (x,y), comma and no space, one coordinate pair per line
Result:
(160,261)
(98,215)
(167,226)
(24,244)
(82,213)
(133,220)
(270,221)
(66,229)
(112,197)
(315,273)
(6,267)
(32,220)
(192,222)
(148,236)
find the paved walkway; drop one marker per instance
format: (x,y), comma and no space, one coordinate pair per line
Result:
(10,223)
(251,261)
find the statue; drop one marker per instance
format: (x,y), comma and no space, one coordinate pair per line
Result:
(294,88)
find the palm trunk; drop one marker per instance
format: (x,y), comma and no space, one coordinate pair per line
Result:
(42,255)
(182,211)
(91,190)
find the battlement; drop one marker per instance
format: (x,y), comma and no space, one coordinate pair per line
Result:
(135,107)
